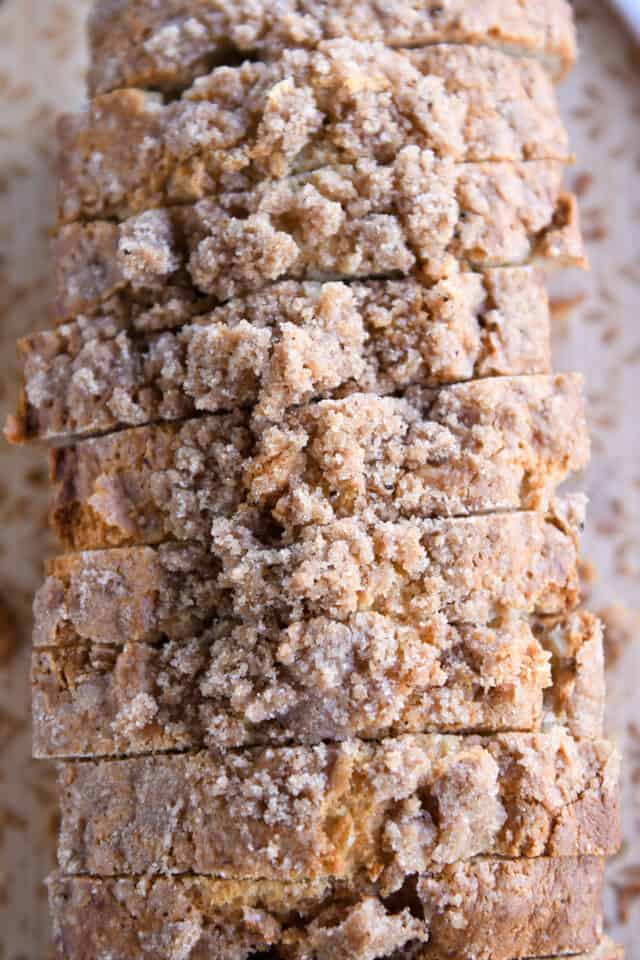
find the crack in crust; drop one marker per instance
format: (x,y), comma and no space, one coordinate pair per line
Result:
(164,46)
(472,570)
(352,222)
(347,101)
(288,345)
(370,677)
(386,810)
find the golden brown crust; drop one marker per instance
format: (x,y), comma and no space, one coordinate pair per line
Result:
(386,810)
(285,346)
(488,909)
(143,44)
(350,222)
(471,569)
(370,677)
(345,102)
(471,448)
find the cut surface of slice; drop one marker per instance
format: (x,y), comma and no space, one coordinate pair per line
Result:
(472,569)
(350,222)
(164,46)
(369,677)
(347,101)
(288,345)
(486,909)
(387,810)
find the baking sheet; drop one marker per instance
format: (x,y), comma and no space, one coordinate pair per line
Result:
(597,330)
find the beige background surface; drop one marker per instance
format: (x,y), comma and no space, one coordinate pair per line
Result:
(41,72)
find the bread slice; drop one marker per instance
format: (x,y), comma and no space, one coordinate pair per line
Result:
(344,102)
(164,46)
(349,222)
(387,810)
(287,345)
(370,677)
(485,445)
(487,909)
(471,569)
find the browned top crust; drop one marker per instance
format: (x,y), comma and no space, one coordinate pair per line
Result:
(471,569)
(139,43)
(352,222)
(285,346)
(486,909)
(494,444)
(386,810)
(320,680)
(344,102)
